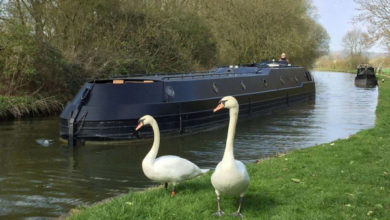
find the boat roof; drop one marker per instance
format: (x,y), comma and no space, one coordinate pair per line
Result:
(222,71)
(366,65)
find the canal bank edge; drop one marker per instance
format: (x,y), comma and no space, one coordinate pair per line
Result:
(16,107)
(345,179)
(385,71)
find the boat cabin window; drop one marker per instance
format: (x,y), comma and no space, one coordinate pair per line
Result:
(360,72)
(169,91)
(265,82)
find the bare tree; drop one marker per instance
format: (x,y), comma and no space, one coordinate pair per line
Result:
(356,41)
(377,14)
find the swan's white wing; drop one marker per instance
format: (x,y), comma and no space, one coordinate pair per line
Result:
(176,168)
(242,169)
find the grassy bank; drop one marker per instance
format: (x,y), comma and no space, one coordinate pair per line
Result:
(335,70)
(386,71)
(346,179)
(22,106)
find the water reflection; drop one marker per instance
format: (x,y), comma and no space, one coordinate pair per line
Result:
(46,181)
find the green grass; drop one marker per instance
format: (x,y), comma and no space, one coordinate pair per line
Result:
(346,179)
(386,71)
(22,106)
(335,70)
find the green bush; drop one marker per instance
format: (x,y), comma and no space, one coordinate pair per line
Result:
(152,41)
(50,48)
(17,57)
(30,66)
(20,106)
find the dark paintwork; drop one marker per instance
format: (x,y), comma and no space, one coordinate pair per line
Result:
(365,77)
(181,102)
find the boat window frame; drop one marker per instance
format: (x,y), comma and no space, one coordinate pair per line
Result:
(169,91)
(215,88)
(282,81)
(265,83)
(308,76)
(243,86)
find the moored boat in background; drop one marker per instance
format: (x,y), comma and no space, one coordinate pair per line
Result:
(107,110)
(365,76)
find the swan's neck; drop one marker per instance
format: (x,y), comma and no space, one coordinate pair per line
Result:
(156,143)
(229,155)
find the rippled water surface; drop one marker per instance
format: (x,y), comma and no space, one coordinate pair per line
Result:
(42,178)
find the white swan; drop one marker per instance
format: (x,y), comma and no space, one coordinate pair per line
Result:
(166,169)
(230,176)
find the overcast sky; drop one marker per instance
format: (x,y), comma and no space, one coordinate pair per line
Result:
(336,17)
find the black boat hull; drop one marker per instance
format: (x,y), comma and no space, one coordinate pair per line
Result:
(365,76)
(111,112)
(366,83)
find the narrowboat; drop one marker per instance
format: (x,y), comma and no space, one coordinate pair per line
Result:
(365,76)
(109,109)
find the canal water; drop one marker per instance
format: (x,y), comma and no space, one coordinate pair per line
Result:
(40,177)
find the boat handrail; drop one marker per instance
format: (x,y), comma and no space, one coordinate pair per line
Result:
(202,74)
(192,75)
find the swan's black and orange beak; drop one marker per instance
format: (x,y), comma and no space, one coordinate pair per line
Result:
(139,126)
(220,106)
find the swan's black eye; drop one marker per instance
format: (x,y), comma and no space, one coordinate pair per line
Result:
(141,120)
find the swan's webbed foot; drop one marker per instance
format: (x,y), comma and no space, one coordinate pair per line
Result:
(219,213)
(237,214)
